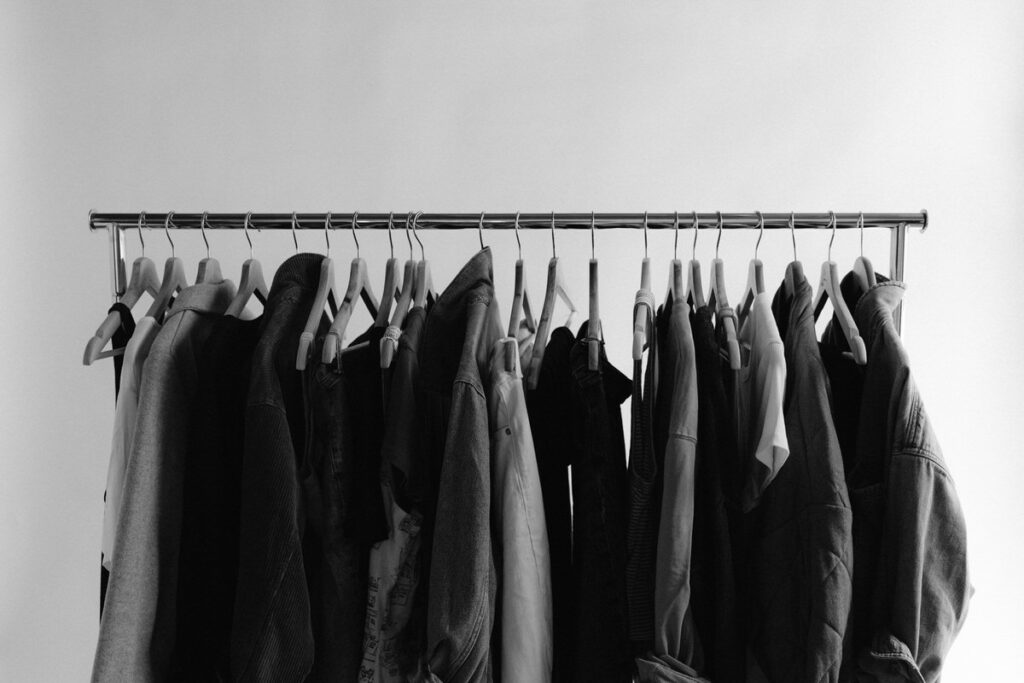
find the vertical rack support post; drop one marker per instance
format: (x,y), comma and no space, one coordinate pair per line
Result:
(117,266)
(897,250)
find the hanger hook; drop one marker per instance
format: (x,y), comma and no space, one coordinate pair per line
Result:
(202,229)
(792,232)
(142,219)
(645,234)
(832,222)
(355,223)
(760,224)
(675,244)
(391,226)
(860,222)
(518,242)
(295,237)
(245,229)
(416,234)
(167,224)
(408,237)
(696,231)
(480,230)
(592,246)
(719,240)
(327,234)
(554,254)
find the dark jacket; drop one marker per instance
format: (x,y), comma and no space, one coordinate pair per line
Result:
(911,585)
(800,550)
(457,338)
(272,637)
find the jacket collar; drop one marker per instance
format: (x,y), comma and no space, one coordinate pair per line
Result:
(793,310)
(444,332)
(203,298)
(874,309)
(300,270)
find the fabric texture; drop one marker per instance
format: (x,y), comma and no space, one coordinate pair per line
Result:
(395,627)
(272,634)
(674,632)
(800,551)
(551,408)
(645,483)
(208,563)
(520,538)
(600,497)
(135,353)
(911,585)
(457,338)
(713,590)
(137,629)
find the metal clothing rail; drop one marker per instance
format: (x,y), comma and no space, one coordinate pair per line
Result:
(116,223)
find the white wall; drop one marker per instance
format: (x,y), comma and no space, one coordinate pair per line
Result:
(472,106)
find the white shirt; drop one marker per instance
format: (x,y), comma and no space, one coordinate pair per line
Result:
(762,390)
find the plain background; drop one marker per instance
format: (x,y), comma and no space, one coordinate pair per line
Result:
(531,106)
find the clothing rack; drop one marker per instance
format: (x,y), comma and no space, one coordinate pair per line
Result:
(116,223)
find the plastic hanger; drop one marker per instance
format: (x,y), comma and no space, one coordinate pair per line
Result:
(143,279)
(326,294)
(358,288)
(174,279)
(755,277)
(694,285)
(829,288)
(520,297)
(389,342)
(643,307)
(424,285)
(719,301)
(795,272)
(555,289)
(209,268)
(594,332)
(391,283)
(251,283)
(676,289)
(862,267)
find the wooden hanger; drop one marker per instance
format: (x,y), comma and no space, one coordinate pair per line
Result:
(795,272)
(520,298)
(594,331)
(391,282)
(719,301)
(174,279)
(389,343)
(755,278)
(829,289)
(676,290)
(424,285)
(358,288)
(862,267)
(326,295)
(555,289)
(694,281)
(251,283)
(143,279)
(209,268)
(643,307)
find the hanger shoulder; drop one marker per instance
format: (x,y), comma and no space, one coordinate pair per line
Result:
(642,311)
(544,324)
(518,299)
(830,289)
(865,272)
(174,280)
(389,342)
(755,286)
(388,297)
(695,285)
(209,271)
(250,283)
(324,294)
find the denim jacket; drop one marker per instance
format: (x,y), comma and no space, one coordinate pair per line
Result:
(454,357)
(910,578)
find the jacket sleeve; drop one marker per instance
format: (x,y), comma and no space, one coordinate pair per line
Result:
(138,624)
(924,553)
